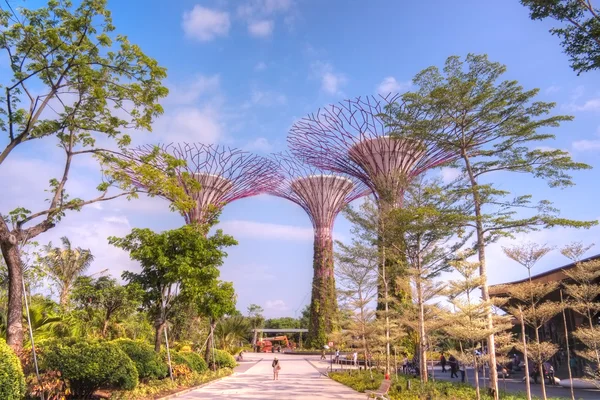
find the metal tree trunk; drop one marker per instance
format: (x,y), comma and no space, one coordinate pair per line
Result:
(323,305)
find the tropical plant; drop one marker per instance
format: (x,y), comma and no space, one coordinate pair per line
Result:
(148,363)
(231,332)
(64,265)
(12,381)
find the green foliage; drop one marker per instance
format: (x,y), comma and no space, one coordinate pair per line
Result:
(439,390)
(224,360)
(106,297)
(148,363)
(192,360)
(90,366)
(231,331)
(580,32)
(12,381)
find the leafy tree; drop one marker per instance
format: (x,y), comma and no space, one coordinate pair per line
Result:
(64,266)
(107,297)
(183,260)
(429,219)
(78,83)
(491,127)
(579,32)
(356,276)
(231,332)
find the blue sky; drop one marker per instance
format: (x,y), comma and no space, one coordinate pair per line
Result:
(240,72)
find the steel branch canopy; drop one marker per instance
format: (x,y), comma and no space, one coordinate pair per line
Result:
(225,174)
(352,137)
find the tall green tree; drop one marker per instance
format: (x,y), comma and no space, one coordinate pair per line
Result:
(579,29)
(183,260)
(491,126)
(107,297)
(64,265)
(76,83)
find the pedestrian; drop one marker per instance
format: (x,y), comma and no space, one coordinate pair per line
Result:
(276,367)
(355,358)
(573,364)
(443,362)
(405,365)
(323,354)
(549,372)
(337,356)
(453,366)
(462,371)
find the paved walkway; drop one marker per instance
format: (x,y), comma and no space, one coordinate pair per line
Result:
(298,379)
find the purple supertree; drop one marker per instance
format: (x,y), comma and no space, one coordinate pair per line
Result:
(356,137)
(225,174)
(352,137)
(322,195)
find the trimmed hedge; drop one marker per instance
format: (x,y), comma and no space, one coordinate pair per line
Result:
(224,360)
(192,360)
(12,381)
(91,366)
(148,363)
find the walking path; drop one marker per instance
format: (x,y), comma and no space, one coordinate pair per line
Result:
(253,379)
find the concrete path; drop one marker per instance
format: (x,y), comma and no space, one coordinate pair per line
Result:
(298,379)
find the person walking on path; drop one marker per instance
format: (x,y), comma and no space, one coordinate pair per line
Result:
(323,354)
(453,367)
(443,362)
(573,364)
(355,358)
(461,367)
(337,356)
(276,367)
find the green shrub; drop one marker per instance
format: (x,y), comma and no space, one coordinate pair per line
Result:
(12,381)
(224,360)
(90,366)
(192,360)
(148,363)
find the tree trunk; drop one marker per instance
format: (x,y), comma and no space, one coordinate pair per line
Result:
(10,252)
(477,391)
(323,305)
(158,327)
(485,295)
(525,356)
(209,346)
(567,346)
(422,343)
(64,297)
(540,366)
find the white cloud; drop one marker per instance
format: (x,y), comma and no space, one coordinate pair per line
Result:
(577,92)
(254,8)
(331,81)
(115,219)
(260,144)
(552,89)
(391,85)
(278,305)
(449,174)
(190,125)
(267,98)
(205,24)
(586,145)
(590,105)
(261,29)
(255,230)
(261,66)
(189,92)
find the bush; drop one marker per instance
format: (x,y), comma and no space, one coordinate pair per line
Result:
(224,360)
(12,381)
(192,360)
(148,363)
(90,366)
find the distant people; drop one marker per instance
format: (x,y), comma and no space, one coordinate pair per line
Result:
(355,358)
(453,366)
(323,354)
(462,368)
(443,362)
(405,365)
(535,372)
(574,365)
(549,372)
(241,356)
(276,367)
(337,356)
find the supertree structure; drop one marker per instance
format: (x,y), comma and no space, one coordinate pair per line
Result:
(225,174)
(354,137)
(322,195)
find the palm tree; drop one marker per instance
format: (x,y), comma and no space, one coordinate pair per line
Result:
(231,332)
(64,265)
